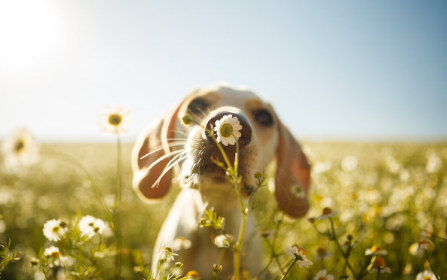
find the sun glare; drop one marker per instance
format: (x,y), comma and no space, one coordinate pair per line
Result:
(29,33)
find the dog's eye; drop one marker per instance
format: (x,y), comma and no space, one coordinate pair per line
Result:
(198,106)
(263,118)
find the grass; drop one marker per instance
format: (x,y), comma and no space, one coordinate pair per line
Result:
(385,195)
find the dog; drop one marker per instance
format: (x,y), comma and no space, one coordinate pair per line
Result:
(168,142)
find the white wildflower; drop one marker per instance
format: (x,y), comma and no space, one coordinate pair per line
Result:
(115,120)
(379,264)
(426,275)
(89,226)
(167,254)
(54,255)
(323,275)
(375,251)
(300,255)
(54,229)
(20,150)
(227,128)
(327,213)
(223,241)
(52,252)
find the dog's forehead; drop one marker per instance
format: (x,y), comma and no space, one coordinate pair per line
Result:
(226,95)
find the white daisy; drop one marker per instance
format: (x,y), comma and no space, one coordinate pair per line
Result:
(54,229)
(379,263)
(299,254)
(55,256)
(167,254)
(89,226)
(52,252)
(323,275)
(327,213)
(223,241)
(426,275)
(227,128)
(375,251)
(20,150)
(115,120)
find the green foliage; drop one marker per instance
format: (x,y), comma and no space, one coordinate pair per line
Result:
(392,196)
(211,219)
(6,256)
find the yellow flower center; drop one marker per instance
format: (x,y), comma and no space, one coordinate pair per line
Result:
(327,211)
(19,146)
(167,249)
(192,274)
(55,254)
(321,251)
(375,248)
(379,263)
(115,119)
(226,130)
(300,250)
(56,229)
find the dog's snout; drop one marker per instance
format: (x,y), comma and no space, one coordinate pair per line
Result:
(246,131)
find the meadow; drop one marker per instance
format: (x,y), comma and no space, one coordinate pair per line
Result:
(378,211)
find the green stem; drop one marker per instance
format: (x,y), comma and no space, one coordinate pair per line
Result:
(233,172)
(117,212)
(431,265)
(238,249)
(345,256)
(288,270)
(31,274)
(224,155)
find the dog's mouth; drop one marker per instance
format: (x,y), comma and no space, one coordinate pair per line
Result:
(213,174)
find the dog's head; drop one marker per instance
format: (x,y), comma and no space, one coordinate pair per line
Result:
(263,139)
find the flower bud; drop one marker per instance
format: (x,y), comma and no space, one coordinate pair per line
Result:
(217,268)
(187,119)
(34,261)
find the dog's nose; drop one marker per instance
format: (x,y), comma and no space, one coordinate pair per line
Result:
(246,131)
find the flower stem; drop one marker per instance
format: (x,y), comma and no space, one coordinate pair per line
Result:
(431,265)
(244,212)
(345,256)
(233,173)
(290,268)
(117,211)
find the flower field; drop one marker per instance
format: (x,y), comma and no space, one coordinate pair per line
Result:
(378,211)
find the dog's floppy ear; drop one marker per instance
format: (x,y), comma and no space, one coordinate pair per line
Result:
(150,157)
(292,175)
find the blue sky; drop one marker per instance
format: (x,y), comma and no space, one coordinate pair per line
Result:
(334,70)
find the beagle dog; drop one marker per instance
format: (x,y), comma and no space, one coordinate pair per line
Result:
(168,142)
